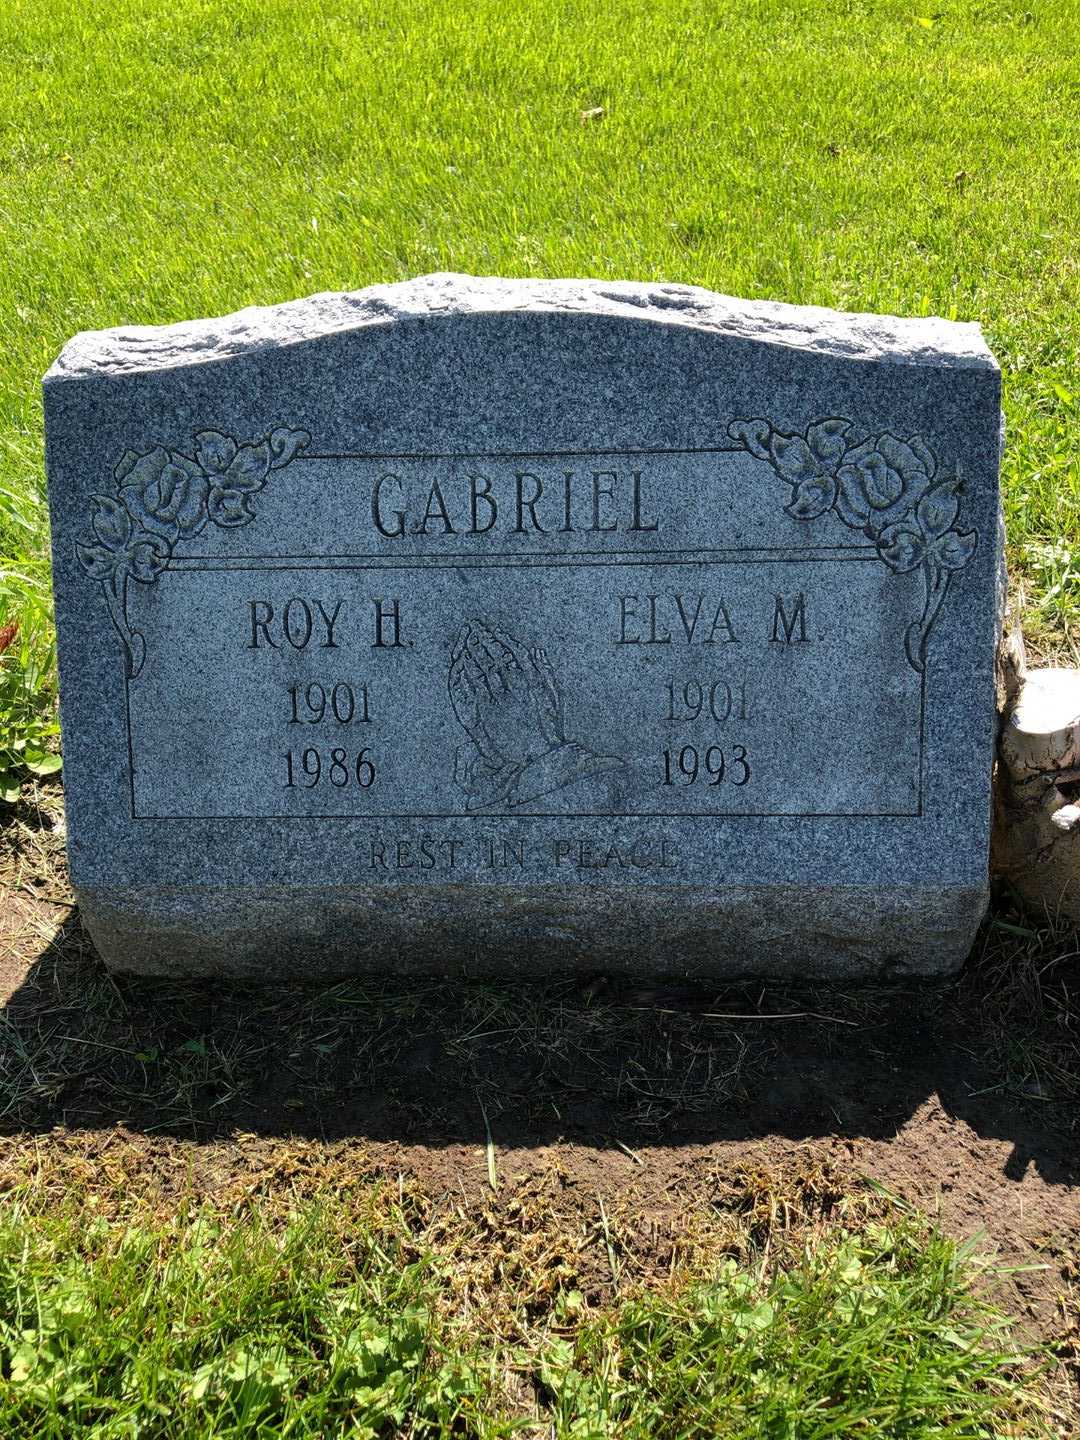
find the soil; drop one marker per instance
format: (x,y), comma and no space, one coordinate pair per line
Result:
(659,1103)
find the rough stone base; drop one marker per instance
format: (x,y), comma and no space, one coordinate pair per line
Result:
(729,933)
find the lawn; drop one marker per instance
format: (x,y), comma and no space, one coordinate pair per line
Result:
(160,161)
(345,1319)
(166,160)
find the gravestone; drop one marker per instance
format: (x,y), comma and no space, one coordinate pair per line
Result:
(490,625)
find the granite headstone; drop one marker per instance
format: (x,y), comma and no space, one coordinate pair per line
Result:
(498,625)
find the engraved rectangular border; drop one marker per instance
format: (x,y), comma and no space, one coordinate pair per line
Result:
(750,556)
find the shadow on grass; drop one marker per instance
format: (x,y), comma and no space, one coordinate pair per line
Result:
(597,1063)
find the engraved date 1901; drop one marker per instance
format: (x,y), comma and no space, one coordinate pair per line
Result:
(718,700)
(341,703)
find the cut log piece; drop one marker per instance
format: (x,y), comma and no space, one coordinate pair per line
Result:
(1042,734)
(1037,817)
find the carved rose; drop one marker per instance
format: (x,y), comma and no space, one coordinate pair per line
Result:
(883,487)
(162,497)
(881,480)
(164,493)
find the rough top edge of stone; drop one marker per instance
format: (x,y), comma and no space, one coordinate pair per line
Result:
(131,349)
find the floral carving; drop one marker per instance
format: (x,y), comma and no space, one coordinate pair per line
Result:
(886,488)
(163,497)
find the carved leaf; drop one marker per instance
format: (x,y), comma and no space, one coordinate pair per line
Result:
(249,467)
(127,461)
(214,451)
(953,550)
(96,560)
(112,523)
(812,497)
(902,547)
(826,440)
(939,508)
(753,434)
(284,445)
(792,458)
(229,507)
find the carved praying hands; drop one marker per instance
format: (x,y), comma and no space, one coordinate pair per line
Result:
(507,700)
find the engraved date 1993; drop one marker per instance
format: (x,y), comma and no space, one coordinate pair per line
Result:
(713,701)
(708,765)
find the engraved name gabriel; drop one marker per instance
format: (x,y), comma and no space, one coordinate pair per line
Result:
(890,489)
(547,502)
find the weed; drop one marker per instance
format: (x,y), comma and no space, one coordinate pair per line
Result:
(201,1328)
(872,1333)
(317,1321)
(28,727)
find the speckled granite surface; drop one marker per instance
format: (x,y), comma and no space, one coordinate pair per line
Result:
(478,624)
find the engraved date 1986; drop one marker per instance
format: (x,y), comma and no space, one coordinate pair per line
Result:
(335,704)
(337,767)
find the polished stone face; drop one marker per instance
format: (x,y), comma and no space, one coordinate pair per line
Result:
(488,624)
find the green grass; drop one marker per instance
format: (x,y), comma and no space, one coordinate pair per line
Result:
(200,1329)
(320,1321)
(161,159)
(867,1336)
